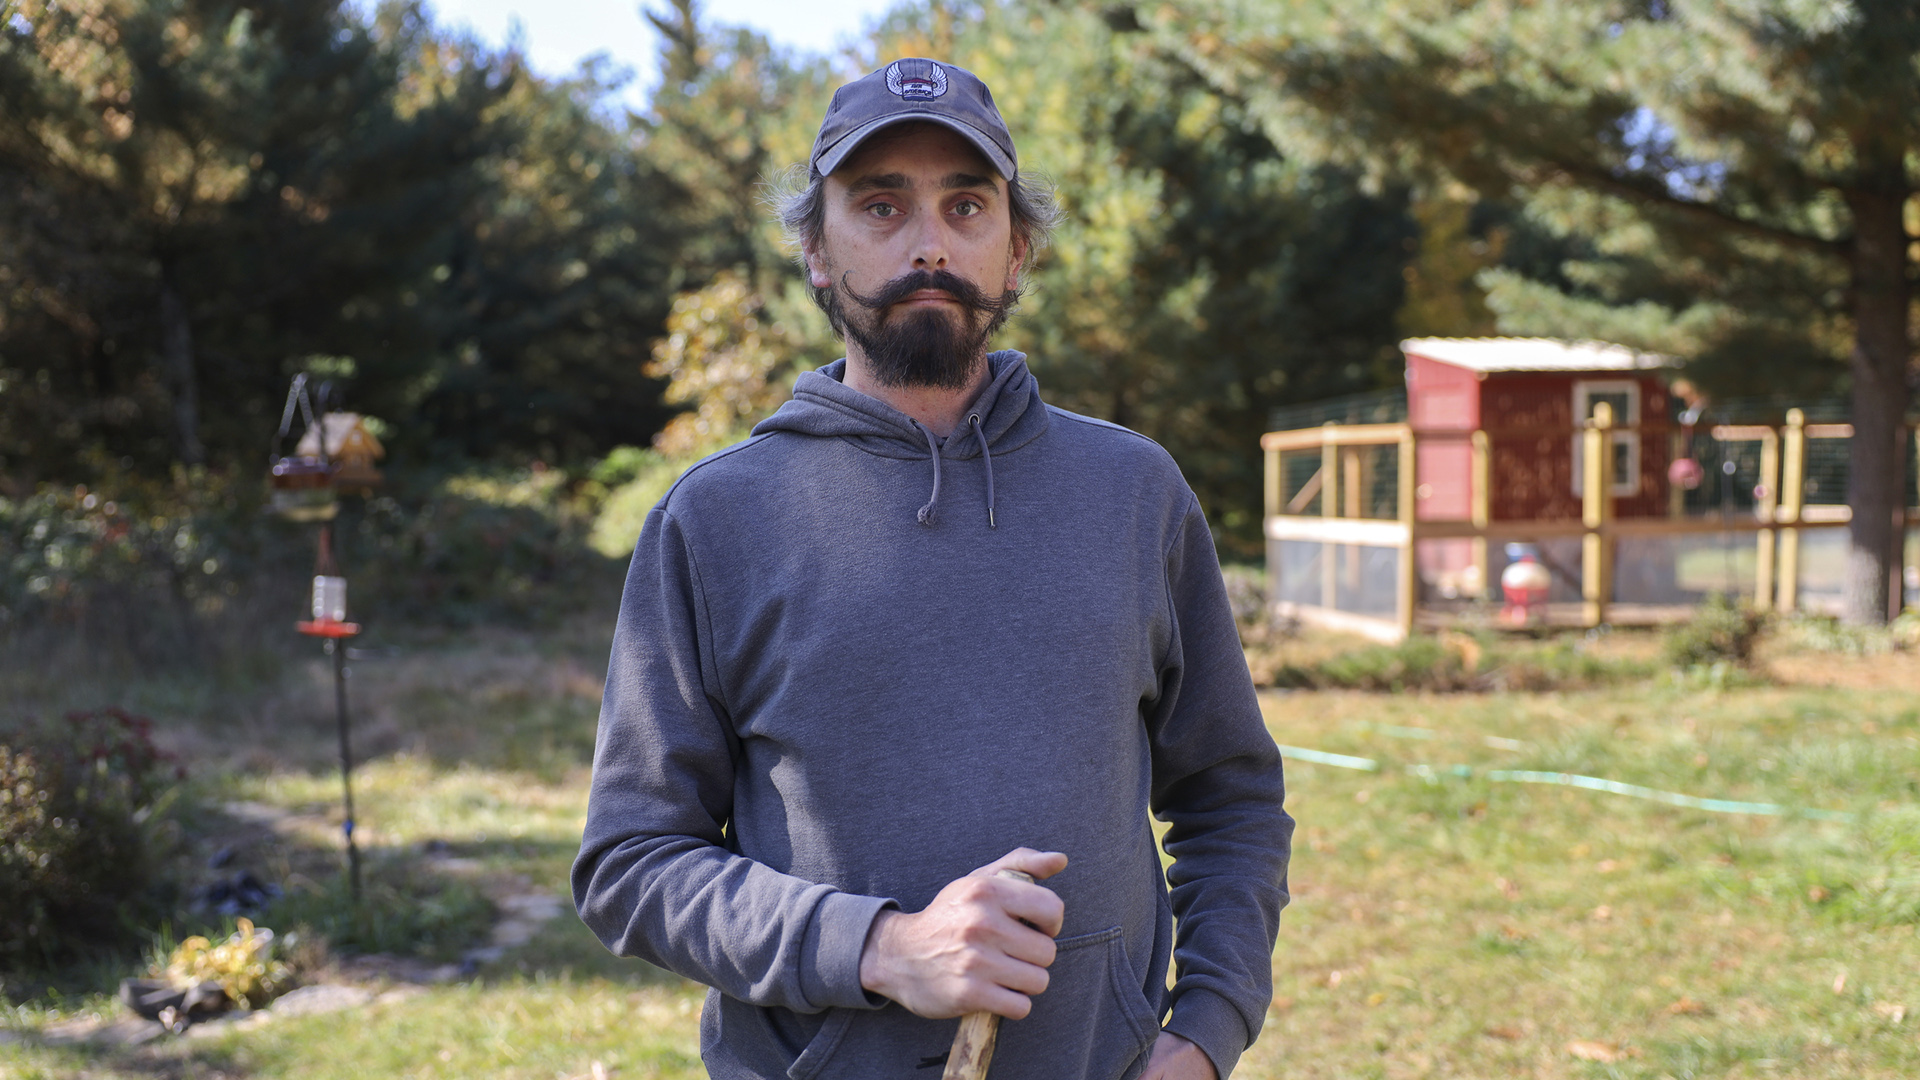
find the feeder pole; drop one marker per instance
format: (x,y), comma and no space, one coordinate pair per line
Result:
(338,647)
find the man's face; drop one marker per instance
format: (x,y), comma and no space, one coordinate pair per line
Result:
(918,252)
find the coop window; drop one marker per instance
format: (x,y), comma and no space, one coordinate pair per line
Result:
(1624,396)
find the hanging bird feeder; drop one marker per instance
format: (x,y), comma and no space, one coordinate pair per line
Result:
(342,440)
(302,487)
(335,454)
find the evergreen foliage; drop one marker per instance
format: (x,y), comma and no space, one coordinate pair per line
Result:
(1201,278)
(1743,170)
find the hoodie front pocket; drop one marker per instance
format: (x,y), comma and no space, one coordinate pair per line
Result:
(823,1044)
(1093,1022)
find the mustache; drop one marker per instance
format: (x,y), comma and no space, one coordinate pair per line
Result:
(966,292)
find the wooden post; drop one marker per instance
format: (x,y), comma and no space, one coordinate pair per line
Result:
(1793,472)
(1482,499)
(1353,485)
(1329,508)
(1676,495)
(1406,596)
(1275,478)
(1353,490)
(1596,508)
(1766,500)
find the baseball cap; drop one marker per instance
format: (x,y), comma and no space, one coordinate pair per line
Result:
(913,89)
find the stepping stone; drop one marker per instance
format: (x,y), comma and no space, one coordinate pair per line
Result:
(320,998)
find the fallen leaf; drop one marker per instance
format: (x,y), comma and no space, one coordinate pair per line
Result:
(1602,913)
(1508,889)
(1840,983)
(1376,998)
(1504,1031)
(1590,1050)
(1891,1011)
(1686,1006)
(1607,866)
(1817,894)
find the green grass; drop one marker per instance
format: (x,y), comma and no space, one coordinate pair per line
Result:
(1446,926)
(1480,929)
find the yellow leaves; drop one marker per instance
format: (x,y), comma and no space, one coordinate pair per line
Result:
(719,356)
(243,964)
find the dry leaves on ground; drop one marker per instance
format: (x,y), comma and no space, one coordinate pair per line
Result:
(1595,1050)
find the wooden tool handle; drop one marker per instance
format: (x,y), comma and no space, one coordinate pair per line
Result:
(972,1049)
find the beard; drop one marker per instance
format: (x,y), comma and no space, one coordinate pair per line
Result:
(923,347)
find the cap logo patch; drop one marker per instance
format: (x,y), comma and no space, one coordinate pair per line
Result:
(924,81)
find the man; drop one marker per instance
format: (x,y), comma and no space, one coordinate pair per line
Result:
(919,628)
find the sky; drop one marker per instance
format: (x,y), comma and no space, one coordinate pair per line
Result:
(558,34)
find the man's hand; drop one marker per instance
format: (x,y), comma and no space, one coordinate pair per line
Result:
(1174,1058)
(983,945)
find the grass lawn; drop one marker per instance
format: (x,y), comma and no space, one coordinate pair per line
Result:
(1442,925)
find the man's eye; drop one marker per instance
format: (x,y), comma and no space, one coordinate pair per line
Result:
(968,208)
(883,210)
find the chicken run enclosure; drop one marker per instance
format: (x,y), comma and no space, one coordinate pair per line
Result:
(1384,512)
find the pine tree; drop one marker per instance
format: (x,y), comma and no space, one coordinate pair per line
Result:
(197,195)
(1744,169)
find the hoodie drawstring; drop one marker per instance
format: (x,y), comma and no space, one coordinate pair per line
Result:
(986,457)
(933,445)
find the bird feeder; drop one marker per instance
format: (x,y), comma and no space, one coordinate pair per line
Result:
(335,454)
(303,489)
(301,485)
(342,440)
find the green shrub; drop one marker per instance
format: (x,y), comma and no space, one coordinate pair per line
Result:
(1447,663)
(83,840)
(1720,632)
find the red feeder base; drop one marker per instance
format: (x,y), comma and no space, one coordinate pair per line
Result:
(327,628)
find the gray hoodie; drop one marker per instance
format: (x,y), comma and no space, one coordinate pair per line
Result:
(854,662)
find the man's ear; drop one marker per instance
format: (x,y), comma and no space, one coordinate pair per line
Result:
(1019,249)
(816,261)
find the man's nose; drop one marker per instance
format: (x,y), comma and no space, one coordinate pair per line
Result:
(929,243)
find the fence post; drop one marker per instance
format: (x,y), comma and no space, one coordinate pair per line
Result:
(1407,595)
(1273,476)
(1482,508)
(1329,508)
(1596,508)
(1676,495)
(1766,500)
(1793,472)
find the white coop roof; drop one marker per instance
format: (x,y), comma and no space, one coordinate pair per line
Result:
(1533,354)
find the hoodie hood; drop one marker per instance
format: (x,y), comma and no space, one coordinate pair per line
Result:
(1009,408)
(1007,415)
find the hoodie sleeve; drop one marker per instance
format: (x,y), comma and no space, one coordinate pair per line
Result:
(1217,782)
(654,878)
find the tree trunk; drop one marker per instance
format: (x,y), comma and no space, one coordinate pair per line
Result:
(176,352)
(1877,465)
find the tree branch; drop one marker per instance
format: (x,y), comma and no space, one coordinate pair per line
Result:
(1598,179)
